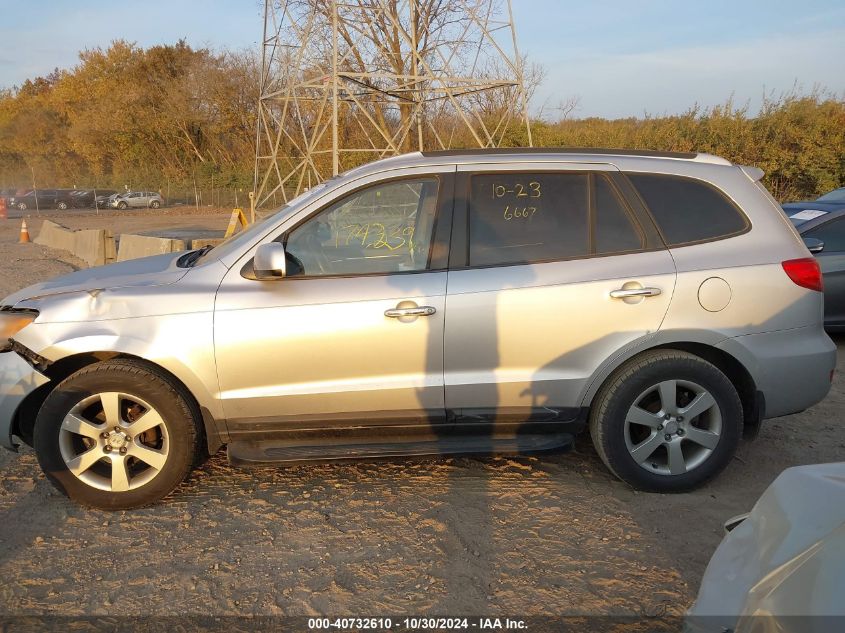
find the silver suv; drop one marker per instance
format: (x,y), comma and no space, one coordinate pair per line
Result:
(133,199)
(474,302)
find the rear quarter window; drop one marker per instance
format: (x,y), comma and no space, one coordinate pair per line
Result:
(688,210)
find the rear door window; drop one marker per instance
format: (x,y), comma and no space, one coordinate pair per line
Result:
(535,217)
(687,210)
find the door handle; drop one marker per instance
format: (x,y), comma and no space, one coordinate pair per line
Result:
(623,293)
(397,313)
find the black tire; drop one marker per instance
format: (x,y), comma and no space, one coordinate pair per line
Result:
(623,389)
(155,204)
(62,205)
(176,408)
(22,206)
(122,205)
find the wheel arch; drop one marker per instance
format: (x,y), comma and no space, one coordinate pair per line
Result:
(62,368)
(733,368)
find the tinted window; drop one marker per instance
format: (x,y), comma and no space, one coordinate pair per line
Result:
(386,228)
(688,210)
(614,231)
(831,233)
(531,217)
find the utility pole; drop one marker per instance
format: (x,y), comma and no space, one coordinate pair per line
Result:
(394,74)
(335,87)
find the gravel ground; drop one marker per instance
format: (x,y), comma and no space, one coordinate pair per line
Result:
(552,535)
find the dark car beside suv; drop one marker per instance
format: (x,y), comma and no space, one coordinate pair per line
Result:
(807,210)
(86,198)
(41,199)
(824,235)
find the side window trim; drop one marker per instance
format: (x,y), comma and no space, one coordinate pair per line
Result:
(653,239)
(626,209)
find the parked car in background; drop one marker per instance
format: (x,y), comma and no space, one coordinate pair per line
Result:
(65,198)
(34,199)
(824,235)
(86,198)
(621,290)
(103,201)
(134,199)
(831,201)
(781,567)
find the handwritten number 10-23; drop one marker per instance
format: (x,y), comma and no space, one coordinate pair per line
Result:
(519,190)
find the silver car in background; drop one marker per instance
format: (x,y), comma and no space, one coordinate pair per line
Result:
(472,302)
(136,199)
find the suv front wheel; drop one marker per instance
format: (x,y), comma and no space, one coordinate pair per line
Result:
(116,435)
(666,421)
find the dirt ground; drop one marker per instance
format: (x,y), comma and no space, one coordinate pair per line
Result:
(552,535)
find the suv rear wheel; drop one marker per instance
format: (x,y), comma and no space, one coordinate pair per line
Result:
(117,435)
(666,421)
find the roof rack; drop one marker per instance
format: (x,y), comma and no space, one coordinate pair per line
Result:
(498,151)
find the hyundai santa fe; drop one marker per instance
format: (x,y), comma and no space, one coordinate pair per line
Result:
(473,302)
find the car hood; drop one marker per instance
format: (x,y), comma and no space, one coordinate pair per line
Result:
(157,270)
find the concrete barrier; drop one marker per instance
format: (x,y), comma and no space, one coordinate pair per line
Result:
(134,246)
(55,235)
(97,246)
(206,241)
(94,246)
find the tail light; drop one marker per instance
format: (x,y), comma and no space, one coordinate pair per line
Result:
(804,272)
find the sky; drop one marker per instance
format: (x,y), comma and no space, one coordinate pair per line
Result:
(616,58)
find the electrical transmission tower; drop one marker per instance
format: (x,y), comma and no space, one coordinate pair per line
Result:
(346,82)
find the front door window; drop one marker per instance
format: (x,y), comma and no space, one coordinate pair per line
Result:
(386,228)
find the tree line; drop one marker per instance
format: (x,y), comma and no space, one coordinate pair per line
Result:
(179,118)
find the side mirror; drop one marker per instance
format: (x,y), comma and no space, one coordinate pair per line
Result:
(813,244)
(269,261)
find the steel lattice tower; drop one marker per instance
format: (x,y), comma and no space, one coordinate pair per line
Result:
(343,83)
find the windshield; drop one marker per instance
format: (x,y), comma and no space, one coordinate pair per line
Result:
(837,195)
(238,240)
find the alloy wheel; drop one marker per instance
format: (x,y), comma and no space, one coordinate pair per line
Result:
(114,441)
(673,427)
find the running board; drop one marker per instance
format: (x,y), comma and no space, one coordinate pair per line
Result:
(260,453)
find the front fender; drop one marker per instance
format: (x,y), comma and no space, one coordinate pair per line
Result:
(182,344)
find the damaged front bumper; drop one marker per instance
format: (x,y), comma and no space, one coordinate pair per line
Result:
(18,379)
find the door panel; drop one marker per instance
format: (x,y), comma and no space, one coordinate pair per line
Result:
(523,338)
(354,334)
(295,350)
(525,334)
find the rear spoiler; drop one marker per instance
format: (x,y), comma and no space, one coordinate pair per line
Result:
(754,173)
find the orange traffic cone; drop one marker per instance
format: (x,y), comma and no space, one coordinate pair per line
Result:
(24,233)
